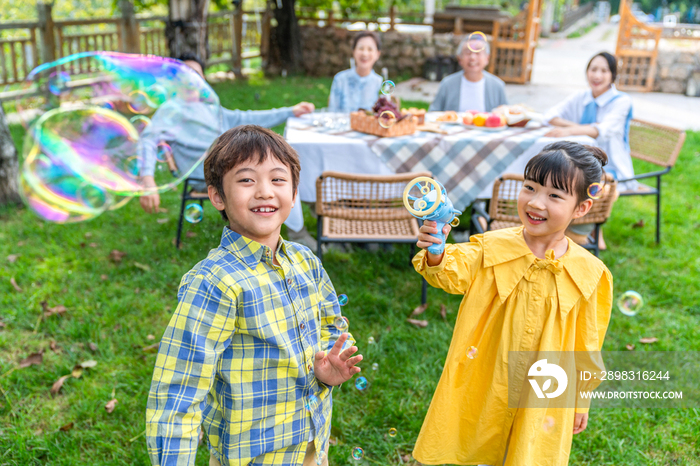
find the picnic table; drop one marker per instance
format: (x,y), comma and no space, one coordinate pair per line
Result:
(466,161)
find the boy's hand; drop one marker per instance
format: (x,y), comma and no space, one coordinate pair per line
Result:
(425,239)
(335,367)
(580,422)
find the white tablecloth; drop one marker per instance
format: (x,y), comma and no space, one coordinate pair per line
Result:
(319,152)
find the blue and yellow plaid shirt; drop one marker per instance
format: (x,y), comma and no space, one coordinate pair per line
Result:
(237,357)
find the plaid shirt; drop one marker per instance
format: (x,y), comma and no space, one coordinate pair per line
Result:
(237,357)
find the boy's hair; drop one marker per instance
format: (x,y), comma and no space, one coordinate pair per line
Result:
(570,166)
(364,34)
(242,144)
(612,63)
(189,56)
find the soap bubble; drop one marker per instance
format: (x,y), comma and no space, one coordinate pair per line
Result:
(392,432)
(630,303)
(358,453)
(386,119)
(90,140)
(341,323)
(361,383)
(472,352)
(370,340)
(194,213)
(375,366)
(595,191)
(342,299)
(476,42)
(311,404)
(388,87)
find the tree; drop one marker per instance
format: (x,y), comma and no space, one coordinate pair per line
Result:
(287,37)
(9,165)
(186,29)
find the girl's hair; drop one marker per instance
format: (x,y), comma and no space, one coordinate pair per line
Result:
(364,34)
(612,63)
(570,166)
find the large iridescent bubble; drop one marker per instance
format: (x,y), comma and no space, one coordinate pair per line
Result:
(99,121)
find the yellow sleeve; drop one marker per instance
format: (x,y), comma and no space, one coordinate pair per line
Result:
(456,272)
(591,326)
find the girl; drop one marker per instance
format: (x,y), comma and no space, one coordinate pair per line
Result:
(358,87)
(526,289)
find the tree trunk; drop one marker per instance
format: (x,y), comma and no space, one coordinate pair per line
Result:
(288,37)
(186,29)
(9,165)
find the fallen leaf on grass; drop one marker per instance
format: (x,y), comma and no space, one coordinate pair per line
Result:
(93,347)
(54,347)
(418,323)
(150,348)
(67,427)
(420,309)
(103,277)
(20,244)
(93,245)
(56,387)
(629,346)
(190,234)
(88,364)
(162,210)
(443,311)
(150,337)
(88,235)
(162,220)
(141,266)
(639,224)
(34,358)
(111,404)
(56,310)
(116,255)
(12,258)
(648,340)
(77,372)
(15,285)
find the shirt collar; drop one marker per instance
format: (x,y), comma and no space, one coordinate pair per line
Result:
(576,273)
(603,99)
(249,251)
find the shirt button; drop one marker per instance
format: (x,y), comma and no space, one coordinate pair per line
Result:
(302,325)
(289,281)
(530,330)
(310,367)
(510,414)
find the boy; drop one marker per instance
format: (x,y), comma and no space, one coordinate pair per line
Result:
(244,353)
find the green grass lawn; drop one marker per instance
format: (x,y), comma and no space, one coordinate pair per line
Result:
(115,309)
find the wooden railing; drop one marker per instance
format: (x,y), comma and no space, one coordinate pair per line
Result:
(328,18)
(680,31)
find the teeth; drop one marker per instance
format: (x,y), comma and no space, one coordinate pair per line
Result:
(535,218)
(264,209)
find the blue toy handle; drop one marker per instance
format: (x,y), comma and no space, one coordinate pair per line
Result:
(438,248)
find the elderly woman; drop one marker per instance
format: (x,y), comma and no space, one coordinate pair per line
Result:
(472,88)
(358,87)
(601,112)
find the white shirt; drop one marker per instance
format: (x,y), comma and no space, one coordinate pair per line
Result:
(610,122)
(471,95)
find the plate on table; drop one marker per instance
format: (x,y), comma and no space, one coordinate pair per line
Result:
(432,117)
(486,128)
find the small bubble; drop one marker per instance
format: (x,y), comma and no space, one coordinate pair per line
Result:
(388,87)
(341,323)
(476,42)
(472,352)
(358,453)
(595,191)
(392,432)
(630,303)
(387,119)
(311,404)
(131,166)
(342,299)
(163,152)
(370,340)
(194,213)
(140,103)
(375,366)
(361,383)
(140,122)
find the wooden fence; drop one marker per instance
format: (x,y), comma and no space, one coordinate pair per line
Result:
(573,15)
(31,43)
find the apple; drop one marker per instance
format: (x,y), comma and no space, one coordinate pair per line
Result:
(468,118)
(494,121)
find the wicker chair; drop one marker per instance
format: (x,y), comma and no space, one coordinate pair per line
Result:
(503,208)
(659,145)
(365,209)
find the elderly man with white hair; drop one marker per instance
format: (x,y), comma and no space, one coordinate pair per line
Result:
(473,88)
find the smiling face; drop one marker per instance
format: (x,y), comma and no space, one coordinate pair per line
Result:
(365,54)
(257,199)
(599,76)
(473,63)
(547,211)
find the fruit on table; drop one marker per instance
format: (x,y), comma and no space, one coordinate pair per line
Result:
(494,120)
(468,118)
(480,119)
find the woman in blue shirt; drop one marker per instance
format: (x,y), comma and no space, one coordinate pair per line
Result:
(358,87)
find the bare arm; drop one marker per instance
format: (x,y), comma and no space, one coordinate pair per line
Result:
(557,121)
(573,130)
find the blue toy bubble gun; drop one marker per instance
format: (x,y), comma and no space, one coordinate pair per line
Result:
(426,199)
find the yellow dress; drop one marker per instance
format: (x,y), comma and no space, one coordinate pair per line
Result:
(513,301)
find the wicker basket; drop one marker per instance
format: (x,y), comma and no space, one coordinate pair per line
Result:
(360,121)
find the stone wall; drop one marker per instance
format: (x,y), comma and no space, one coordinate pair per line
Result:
(327,51)
(675,65)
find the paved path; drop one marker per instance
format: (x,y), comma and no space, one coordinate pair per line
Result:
(559,69)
